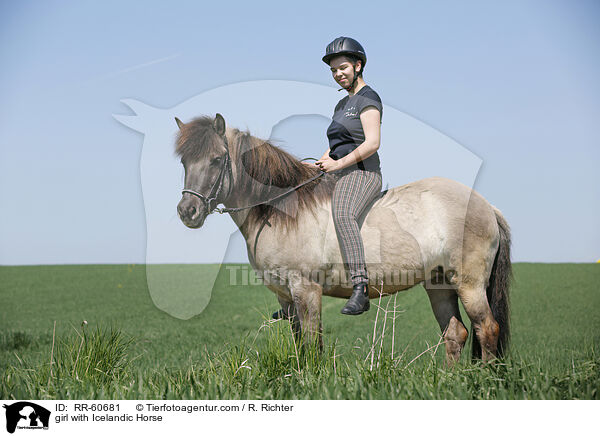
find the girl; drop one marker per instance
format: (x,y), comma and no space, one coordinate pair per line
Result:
(354,136)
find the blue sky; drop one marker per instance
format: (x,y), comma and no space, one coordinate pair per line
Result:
(514,82)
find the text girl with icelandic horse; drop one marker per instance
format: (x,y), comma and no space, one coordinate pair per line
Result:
(354,137)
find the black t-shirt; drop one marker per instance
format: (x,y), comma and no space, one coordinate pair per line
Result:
(345,132)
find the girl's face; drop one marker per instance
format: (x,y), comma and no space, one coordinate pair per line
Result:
(342,70)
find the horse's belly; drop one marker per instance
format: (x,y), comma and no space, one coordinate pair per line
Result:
(393,255)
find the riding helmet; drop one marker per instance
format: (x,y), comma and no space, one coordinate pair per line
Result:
(344,45)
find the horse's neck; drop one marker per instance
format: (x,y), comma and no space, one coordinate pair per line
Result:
(238,197)
(245,192)
(247,228)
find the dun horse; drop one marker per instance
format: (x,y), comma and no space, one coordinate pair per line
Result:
(434,231)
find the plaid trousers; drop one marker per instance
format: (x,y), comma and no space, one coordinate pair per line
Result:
(352,197)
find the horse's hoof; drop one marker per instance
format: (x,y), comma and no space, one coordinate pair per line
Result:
(359,301)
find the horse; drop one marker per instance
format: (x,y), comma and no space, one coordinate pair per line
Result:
(434,231)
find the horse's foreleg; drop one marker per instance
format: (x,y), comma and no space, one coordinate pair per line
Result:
(444,303)
(307,300)
(288,311)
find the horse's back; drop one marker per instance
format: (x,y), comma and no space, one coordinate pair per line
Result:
(431,219)
(434,197)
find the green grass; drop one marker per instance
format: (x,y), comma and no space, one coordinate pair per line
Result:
(130,349)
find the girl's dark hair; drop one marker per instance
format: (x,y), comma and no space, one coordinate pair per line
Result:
(353,61)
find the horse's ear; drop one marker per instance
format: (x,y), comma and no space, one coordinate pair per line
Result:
(220,124)
(179,123)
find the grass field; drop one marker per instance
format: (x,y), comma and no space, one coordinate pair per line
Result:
(129,349)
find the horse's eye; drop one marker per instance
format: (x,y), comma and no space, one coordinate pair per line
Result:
(216,160)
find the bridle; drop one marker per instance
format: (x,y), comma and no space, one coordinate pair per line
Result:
(218,186)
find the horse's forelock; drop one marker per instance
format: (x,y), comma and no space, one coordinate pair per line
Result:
(196,138)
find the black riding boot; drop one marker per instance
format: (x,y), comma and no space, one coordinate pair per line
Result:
(359,301)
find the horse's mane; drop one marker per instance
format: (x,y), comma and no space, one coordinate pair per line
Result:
(269,171)
(263,171)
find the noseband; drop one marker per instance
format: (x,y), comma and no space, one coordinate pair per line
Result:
(217,186)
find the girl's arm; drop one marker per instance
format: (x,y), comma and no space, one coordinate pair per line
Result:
(326,154)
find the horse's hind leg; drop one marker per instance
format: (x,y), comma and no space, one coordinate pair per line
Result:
(486,328)
(444,303)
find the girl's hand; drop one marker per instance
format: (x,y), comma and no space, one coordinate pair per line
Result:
(328,165)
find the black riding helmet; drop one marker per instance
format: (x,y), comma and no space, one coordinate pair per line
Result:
(346,46)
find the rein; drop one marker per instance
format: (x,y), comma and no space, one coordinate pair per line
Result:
(236,209)
(218,186)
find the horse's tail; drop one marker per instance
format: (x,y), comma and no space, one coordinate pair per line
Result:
(497,290)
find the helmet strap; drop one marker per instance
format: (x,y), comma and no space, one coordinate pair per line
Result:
(355,75)
(354,80)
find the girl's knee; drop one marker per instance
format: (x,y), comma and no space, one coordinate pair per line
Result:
(343,217)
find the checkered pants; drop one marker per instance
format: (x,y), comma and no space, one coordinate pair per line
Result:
(352,197)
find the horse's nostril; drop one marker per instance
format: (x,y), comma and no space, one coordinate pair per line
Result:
(192,211)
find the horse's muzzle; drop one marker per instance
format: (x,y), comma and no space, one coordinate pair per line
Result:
(191,212)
